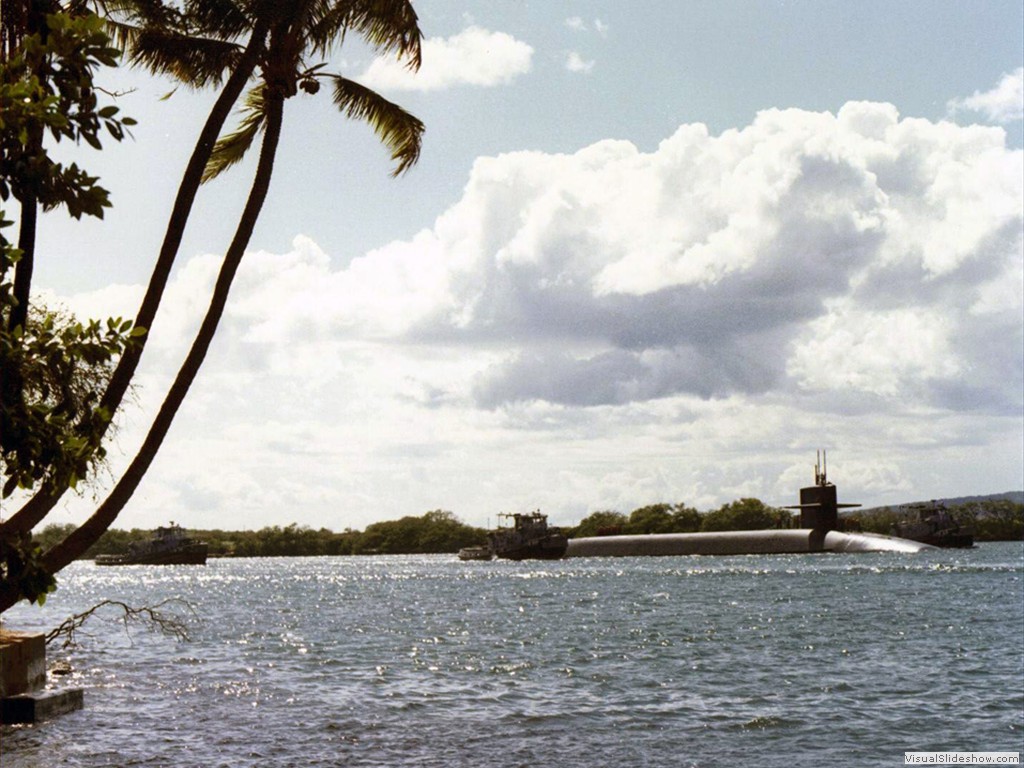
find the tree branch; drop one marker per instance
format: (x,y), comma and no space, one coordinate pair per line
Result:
(167,623)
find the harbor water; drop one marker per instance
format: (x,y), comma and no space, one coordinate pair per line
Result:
(783,660)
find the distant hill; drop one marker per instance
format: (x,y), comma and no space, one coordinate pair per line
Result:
(1017,497)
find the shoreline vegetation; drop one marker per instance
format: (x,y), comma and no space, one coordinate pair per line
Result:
(441,532)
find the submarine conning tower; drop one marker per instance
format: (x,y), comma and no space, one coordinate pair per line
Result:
(819,507)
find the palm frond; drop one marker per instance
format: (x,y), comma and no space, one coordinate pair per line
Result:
(122,34)
(387,25)
(401,132)
(153,13)
(231,149)
(195,61)
(228,19)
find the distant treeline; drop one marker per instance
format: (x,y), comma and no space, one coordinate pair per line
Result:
(741,515)
(439,531)
(433,532)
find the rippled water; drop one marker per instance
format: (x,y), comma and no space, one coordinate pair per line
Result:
(426,661)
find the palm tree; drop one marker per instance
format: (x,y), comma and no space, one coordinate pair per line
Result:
(165,41)
(195,46)
(295,31)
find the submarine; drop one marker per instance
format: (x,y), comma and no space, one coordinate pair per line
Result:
(532,538)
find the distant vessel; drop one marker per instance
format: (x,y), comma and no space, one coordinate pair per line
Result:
(529,538)
(476,553)
(932,524)
(170,546)
(819,508)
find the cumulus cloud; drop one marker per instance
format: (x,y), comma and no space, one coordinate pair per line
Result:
(807,251)
(576,63)
(475,56)
(814,254)
(1002,104)
(578,319)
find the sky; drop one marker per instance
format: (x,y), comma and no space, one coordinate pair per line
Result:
(656,252)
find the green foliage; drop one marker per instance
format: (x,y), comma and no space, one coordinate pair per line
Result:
(291,541)
(54,367)
(433,532)
(651,519)
(686,519)
(54,372)
(992,520)
(401,132)
(655,518)
(744,515)
(47,87)
(231,149)
(297,32)
(20,568)
(600,523)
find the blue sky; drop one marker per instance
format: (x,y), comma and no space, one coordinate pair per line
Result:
(654,253)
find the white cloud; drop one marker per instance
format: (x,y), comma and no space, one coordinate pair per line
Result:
(475,56)
(1002,104)
(616,327)
(838,257)
(726,265)
(576,63)
(577,24)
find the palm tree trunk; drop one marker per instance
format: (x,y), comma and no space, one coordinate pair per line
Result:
(36,508)
(23,269)
(89,532)
(33,15)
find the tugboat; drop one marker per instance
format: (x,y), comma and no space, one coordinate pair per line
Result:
(170,546)
(932,524)
(529,538)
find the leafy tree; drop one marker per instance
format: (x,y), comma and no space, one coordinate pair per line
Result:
(295,30)
(165,41)
(601,523)
(45,87)
(656,518)
(53,368)
(685,519)
(54,62)
(434,532)
(992,519)
(742,515)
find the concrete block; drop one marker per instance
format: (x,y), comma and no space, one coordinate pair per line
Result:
(22,662)
(31,708)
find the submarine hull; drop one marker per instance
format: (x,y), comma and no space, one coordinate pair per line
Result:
(766,542)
